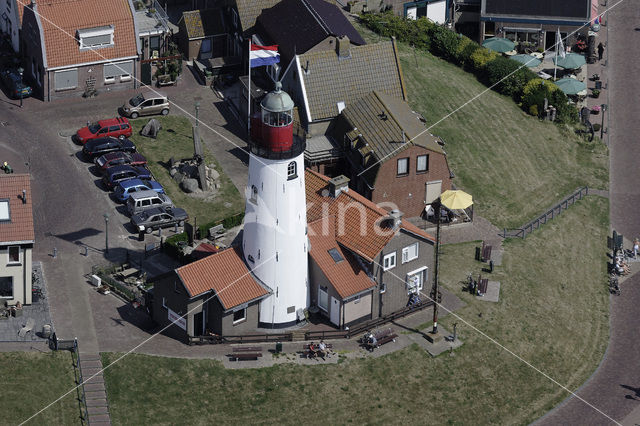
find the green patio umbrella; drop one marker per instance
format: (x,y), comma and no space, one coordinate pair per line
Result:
(527,60)
(571,61)
(499,44)
(571,86)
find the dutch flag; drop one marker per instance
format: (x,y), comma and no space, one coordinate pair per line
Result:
(263,55)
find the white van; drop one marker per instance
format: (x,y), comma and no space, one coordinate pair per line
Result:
(143,200)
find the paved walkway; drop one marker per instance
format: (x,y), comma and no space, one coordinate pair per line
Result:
(615,386)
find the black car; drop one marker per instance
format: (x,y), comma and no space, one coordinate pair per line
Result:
(14,84)
(158,217)
(116,174)
(100,146)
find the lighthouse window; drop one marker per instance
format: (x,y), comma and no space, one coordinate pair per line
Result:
(254,194)
(292,170)
(276,119)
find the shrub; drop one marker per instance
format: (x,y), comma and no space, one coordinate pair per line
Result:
(565,113)
(596,127)
(510,75)
(535,92)
(479,60)
(533,110)
(465,54)
(444,43)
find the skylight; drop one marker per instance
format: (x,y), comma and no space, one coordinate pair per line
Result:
(4,210)
(335,255)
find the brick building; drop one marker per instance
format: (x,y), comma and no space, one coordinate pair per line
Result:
(391,156)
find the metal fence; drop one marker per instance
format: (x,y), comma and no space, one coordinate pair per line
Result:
(527,229)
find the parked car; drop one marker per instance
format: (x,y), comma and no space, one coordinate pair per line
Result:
(146,104)
(125,188)
(158,217)
(116,174)
(118,127)
(15,84)
(120,157)
(145,200)
(101,146)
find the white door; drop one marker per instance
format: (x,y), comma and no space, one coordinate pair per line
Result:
(412,13)
(432,191)
(335,311)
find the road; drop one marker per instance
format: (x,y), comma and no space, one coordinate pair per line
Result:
(614,388)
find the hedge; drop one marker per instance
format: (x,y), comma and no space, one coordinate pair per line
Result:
(489,67)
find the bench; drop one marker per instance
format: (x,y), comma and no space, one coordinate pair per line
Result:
(27,327)
(216,231)
(307,353)
(483,283)
(385,336)
(246,352)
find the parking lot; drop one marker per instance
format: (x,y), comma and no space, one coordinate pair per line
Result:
(70,203)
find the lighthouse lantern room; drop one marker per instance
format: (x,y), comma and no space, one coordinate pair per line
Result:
(274,240)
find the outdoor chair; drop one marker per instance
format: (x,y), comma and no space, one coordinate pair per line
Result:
(27,327)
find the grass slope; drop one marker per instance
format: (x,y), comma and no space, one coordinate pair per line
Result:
(30,381)
(176,140)
(551,313)
(514,165)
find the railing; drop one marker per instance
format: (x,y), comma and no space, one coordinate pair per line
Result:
(527,229)
(311,335)
(298,146)
(72,346)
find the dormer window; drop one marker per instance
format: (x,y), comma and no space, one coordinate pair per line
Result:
(95,38)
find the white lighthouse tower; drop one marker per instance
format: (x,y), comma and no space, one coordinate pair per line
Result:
(274,241)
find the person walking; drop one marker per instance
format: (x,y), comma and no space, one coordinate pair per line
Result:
(600,51)
(636,248)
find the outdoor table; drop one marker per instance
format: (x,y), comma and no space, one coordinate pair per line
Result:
(544,75)
(537,55)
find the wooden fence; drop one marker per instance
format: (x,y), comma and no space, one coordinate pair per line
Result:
(547,216)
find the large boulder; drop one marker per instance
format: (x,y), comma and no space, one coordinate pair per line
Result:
(189,185)
(151,129)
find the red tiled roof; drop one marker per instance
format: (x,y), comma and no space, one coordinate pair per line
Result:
(62,18)
(20,225)
(357,219)
(346,276)
(225,273)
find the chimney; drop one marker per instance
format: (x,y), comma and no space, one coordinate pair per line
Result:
(343,47)
(337,185)
(394,219)
(24,196)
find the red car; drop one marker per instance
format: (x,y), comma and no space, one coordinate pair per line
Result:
(118,127)
(117,158)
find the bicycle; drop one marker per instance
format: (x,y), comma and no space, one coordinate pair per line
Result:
(614,286)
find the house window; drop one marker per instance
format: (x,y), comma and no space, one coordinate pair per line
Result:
(416,280)
(239,315)
(124,70)
(403,166)
(323,299)
(14,254)
(6,287)
(410,252)
(356,300)
(422,163)
(154,43)
(96,38)
(389,261)
(292,170)
(5,215)
(383,288)
(67,79)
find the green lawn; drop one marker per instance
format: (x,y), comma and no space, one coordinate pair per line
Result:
(176,140)
(30,381)
(514,165)
(552,313)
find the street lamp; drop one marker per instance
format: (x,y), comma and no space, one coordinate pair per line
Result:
(437,207)
(106,235)
(604,108)
(197,109)
(21,71)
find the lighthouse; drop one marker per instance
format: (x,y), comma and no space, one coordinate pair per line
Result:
(274,240)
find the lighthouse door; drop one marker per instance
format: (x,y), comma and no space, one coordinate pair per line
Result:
(335,311)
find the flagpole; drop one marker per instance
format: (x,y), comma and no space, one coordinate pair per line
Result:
(555,68)
(249,96)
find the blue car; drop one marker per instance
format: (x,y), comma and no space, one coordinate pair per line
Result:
(15,84)
(116,174)
(125,188)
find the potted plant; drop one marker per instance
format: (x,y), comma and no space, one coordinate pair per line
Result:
(595,93)
(595,109)
(595,77)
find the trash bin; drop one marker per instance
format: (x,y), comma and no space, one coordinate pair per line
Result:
(46,331)
(278,347)
(599,85)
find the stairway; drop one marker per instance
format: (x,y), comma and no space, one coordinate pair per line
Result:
(93,389)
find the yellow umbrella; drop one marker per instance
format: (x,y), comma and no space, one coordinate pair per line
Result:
(455,200)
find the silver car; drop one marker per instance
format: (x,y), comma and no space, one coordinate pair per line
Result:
(146,104)
(158,217)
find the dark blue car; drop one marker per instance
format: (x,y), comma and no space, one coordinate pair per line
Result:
(14,84)
(116,174)
(125,188)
